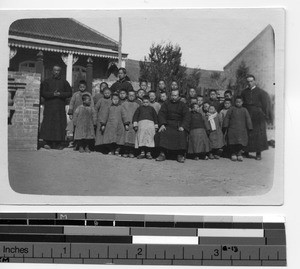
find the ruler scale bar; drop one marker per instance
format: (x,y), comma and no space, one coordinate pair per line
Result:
(95,238)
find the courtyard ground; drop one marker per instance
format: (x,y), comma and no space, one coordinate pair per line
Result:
(66,172)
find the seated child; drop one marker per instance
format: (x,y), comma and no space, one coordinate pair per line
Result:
(114,123)
(145,122)
(216,138)
(75,102)
(101,106)
(238,123)
(84,120)
(123,96)
(130,107)
(198,144)
(153,103)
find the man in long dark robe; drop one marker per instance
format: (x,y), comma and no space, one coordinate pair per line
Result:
(55,91)
(123,82)
(174,120)
(258,103)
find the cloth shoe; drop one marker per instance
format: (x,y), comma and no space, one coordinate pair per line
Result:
(233,157)
(180,159)
(161,157)
(117,152)
(142,155)
(258,156)
(47,146)
(240,158)
(87,149)
(81,150)
(211,156)
(131,155)
(149,156)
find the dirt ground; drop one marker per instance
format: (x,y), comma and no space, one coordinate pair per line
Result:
(72,173)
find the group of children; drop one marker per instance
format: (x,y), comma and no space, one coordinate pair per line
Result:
(125,123)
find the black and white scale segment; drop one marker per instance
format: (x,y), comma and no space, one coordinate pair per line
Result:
(89,238)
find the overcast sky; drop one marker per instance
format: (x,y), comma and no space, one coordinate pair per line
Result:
(209,38)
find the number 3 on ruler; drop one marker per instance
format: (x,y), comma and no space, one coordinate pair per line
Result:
(216,252)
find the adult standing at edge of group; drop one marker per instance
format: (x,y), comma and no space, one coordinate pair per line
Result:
(123,83)
(55,91)
(174,120)
(257,102)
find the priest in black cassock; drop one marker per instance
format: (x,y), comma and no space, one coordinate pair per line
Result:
(55,91)
(174,120)
(258,104)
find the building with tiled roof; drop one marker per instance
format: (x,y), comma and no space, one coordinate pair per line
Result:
(82,52)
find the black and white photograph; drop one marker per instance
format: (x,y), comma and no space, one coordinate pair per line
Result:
(150,106)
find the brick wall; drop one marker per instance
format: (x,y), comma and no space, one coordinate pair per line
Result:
(24,90)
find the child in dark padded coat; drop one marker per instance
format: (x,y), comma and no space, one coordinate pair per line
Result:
(145,122)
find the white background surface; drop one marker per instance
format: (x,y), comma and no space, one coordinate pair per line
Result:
(292,146)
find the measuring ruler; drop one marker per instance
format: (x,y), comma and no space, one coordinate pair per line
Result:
(142,239)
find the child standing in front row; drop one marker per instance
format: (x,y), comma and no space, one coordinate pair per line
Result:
(238,122)
(198,144)
(75,102)
(130,106)
(114,123)
(101,107)
(145,123)
(84,119)
(226,106)
(216,138)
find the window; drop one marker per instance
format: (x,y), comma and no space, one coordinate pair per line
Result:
(28,66)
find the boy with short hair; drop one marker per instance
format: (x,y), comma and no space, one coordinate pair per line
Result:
(163,97)
(75,102)
(213,100)
(223,112)
(145,122)
(238,123)
(153,103)
(114,123)
(123,96)
(102,105)
(84,120)
(141,92)
(130,107)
